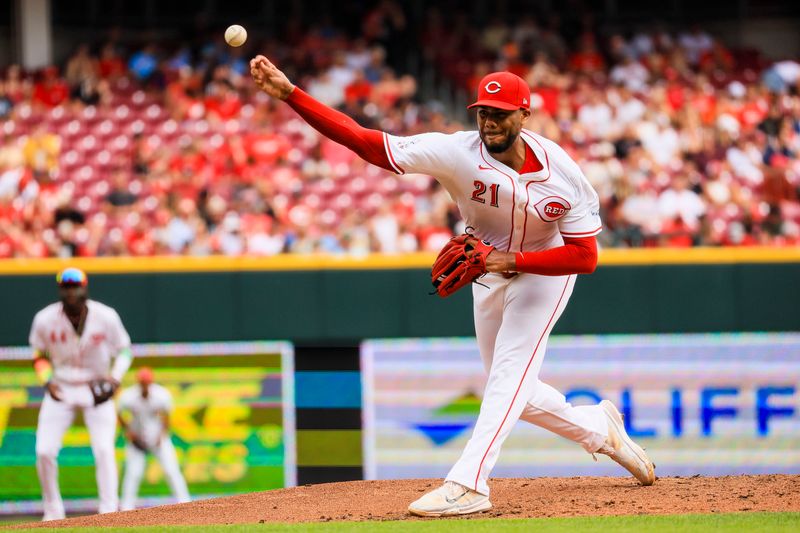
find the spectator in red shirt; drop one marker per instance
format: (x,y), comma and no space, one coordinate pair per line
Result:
(587,58)
(182,94)
(359,90)
(545,86)
(676,234)
(223,102)
(265,146)
(111,66)
(718,58)
(140,240)
(704,101)
(51,90)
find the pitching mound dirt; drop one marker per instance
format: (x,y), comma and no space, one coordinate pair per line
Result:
(512,498)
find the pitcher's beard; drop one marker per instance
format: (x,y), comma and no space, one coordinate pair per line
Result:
(498,148)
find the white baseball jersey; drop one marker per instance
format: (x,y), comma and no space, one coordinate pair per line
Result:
(79,359)
(146,413)
(513,212)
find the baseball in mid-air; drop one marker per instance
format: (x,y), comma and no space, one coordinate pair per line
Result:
(235,35)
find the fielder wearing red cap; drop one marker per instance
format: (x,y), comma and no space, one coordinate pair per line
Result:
(145,375)
(523,194)
(144,411)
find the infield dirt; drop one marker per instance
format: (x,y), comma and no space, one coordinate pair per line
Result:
(512,498)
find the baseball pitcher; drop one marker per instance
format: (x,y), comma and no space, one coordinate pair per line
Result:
(80,353)
(147,431)
(532,219)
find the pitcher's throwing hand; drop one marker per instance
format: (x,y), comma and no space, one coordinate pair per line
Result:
(269,78)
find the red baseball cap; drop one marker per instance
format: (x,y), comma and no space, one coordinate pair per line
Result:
(503,90)
(145,375)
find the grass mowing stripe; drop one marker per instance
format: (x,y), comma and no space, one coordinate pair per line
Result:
(734,522)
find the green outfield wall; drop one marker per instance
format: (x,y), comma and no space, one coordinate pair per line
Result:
(333,301)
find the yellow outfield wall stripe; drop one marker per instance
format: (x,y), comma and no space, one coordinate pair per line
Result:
(689,256)
(612,257)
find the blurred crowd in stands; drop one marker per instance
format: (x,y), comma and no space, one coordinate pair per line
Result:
(170,150)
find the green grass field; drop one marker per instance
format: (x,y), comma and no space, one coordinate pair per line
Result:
(772,522)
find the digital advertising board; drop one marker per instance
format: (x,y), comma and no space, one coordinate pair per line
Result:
(709,404)
(232,424)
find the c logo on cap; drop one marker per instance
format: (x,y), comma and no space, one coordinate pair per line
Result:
(489,87)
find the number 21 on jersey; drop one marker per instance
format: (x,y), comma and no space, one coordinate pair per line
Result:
(480,191)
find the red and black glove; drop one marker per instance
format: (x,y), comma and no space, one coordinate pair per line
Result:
(460,262)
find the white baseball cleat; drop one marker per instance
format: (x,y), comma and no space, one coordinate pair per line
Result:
(450,499)
(623,450)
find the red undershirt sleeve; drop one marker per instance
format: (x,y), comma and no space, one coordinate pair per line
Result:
(577,256)
(338,127)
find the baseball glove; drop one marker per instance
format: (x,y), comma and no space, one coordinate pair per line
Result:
(103,389)
(460,262)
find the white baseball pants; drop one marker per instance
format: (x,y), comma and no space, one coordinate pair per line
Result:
(55,417)
(135,461)
(513,319)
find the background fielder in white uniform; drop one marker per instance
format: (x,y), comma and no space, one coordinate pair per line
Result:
(525,196)
(74,342)
(149,405)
